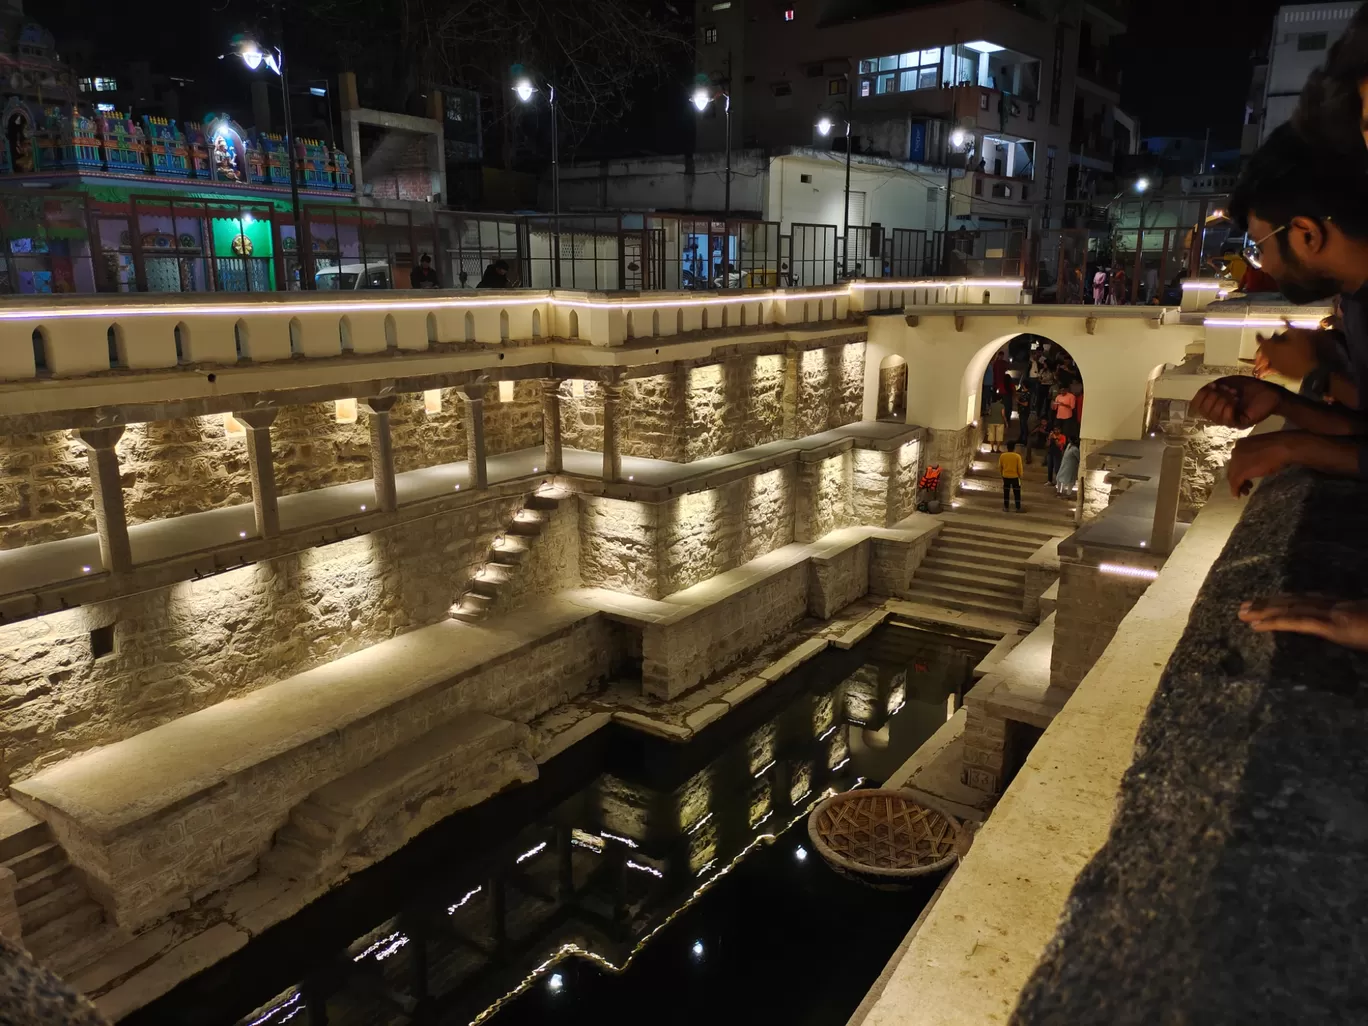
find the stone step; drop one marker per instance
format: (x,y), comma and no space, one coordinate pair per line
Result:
(944,561)
(312,820)
(978,582)
(475,600)
(20,831)
(1032,513)
(468,615)
(969,592)
(291,856)
(46,880)
(984,545)
(977,558)
(36,858)
(967,603)
(548,503)
(74,927)
(51,906)
(79,954)
(999,535)
(524,529)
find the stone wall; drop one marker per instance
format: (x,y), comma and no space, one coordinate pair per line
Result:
(196,643)
(838,579)
(823,501)
(203,845)
(656,549)
(173,467)
(1042,570)
(953,452)
(1091,605)
(893,392)
(551,564)
(692,413)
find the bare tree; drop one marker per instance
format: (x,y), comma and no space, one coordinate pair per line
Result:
(597,54)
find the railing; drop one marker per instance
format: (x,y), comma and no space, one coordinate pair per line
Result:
(1120,266)
(77,335)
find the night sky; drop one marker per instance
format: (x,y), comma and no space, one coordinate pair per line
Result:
(1186,64)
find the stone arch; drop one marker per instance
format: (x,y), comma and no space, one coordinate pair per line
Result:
(242,339)
(703,323)
(655,323)
(503,326)
(344,334)
(391,332)
(679,321)
(574,324)
(536,324)
(893,389)
(469,326)
(631,325)
(743,315)
(296,337)
(724,316)
(180,334)
(431,328)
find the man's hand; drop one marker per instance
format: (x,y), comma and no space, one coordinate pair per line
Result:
(1344,623)
(1255,457)
(1293,352)
(1237,401)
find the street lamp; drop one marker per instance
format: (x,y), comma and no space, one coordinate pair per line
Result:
(1141,184)
(254,57)
(824,126)
(525,90)
(702,96)
(956,142)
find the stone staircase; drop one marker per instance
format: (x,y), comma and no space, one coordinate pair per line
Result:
(506,556)
(62,927)
(981,492)
(979,566)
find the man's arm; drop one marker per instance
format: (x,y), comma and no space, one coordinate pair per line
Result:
(1260,455)
(1320,418)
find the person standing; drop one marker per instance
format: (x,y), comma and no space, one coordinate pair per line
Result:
(1054,454)
(1068,471)
(1099,286)
(997,423)
(1063,409)
(1009,464)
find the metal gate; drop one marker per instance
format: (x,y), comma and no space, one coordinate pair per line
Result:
(812,254)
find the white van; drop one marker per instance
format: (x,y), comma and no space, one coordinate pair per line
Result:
(354,276)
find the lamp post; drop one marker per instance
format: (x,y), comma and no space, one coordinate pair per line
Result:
(825,125)
(274,58)
(957,139)
(525,90)
(700,99)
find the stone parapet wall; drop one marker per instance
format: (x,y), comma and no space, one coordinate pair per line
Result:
(823,497)
(1206,451)
(838,579)
(193,644)
(1042,570)
(953,452)
(1091,605)
(161,862)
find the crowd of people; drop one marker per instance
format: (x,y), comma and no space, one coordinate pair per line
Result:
(1302,202)
(1036,404)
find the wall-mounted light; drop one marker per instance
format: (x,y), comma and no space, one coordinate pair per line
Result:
(505,391)
(432,401)
(346,411)
(232,427)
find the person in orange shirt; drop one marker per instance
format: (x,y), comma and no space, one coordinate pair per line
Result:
(1009,463)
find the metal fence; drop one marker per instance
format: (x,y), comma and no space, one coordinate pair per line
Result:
(812,256)
(1121,267)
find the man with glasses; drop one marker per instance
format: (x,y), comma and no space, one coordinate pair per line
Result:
(1306,213)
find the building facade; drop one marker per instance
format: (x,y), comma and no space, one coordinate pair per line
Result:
(1301,36)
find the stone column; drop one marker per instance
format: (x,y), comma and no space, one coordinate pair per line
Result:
(612,431)
(259,465)
(1166,500)
(551,425)
(475,436)
(382,451)
(792,380)
(110,521)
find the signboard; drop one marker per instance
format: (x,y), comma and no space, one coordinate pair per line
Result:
(916,151)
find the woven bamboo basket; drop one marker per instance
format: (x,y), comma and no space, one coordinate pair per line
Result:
(881,837)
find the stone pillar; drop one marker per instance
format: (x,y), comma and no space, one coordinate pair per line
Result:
(792,380)
(1166,501)
(551,425)
(382,451)
(612,431)
(110,521)
(475,437)
(259,465)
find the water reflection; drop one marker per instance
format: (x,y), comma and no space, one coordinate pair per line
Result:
(656,836)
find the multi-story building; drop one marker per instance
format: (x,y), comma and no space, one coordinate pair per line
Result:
(999,90)
(1302,34)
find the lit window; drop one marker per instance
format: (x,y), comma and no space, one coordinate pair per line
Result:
(724,6)
(106,85)
(84,85)
(710,34)
(788,14)
(836,86)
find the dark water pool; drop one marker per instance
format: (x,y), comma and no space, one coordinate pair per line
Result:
(635,881)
